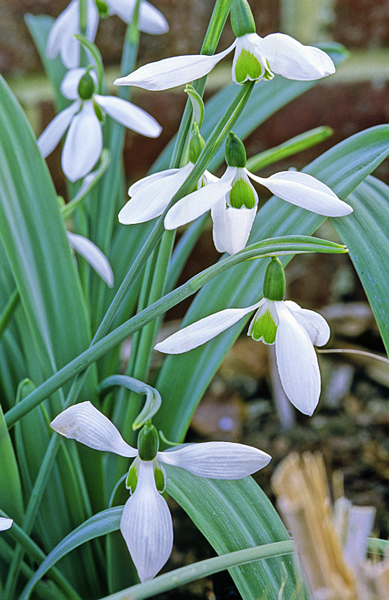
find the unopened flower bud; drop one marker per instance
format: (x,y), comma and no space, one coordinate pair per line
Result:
(196,145)
(274,284)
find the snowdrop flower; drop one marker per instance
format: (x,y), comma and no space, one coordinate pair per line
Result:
(84,140)
(233,213)
(61,38)
(255,58)
(291,329)
(95,257)
(151,195)
(5,523)
(146,523)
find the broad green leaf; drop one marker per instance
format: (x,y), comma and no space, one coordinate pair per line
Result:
(263,249)
(366,232)
(342,168)
(11,500)
(44,591)
(36,245)
(35,555)
(39,255)
(32,439)
(234,515)
(100,524)
(203,568)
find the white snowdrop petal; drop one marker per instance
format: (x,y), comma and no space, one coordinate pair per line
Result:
(129,115)
(217,460)
(297,362)
(61,38)
(145,181)
(51,136)
(84,423)
(293,60)
(93,255)
(202,331)
(231,227)
(314,324)
(5,523)
(195,204)
(305,191)
(69,84)
(147,526)
(83,144)
(152,20)
(66,21)
(170,72)
(92,20)
(151,200)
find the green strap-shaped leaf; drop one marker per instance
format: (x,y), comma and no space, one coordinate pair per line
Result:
(366,232)
(100,524)
(342,168)
(11,500)
(36,245)
(204,568)
(234,515)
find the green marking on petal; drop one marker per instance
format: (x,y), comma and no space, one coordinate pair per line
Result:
(247,67)
(241,195)
(268,74)
(132,478)
(264,329)
(160,479)
(99,113)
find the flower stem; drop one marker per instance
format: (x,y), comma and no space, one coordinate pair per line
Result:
(211,39)
(211,147)
(275,246)
(203,568)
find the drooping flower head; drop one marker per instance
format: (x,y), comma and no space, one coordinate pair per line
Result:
(83,118)
(255,59)
(291,329)
(151,195)
(61,38)
(146,523)
(234,210)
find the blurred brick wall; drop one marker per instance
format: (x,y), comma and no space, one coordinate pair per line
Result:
(346,107)
(188,21)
